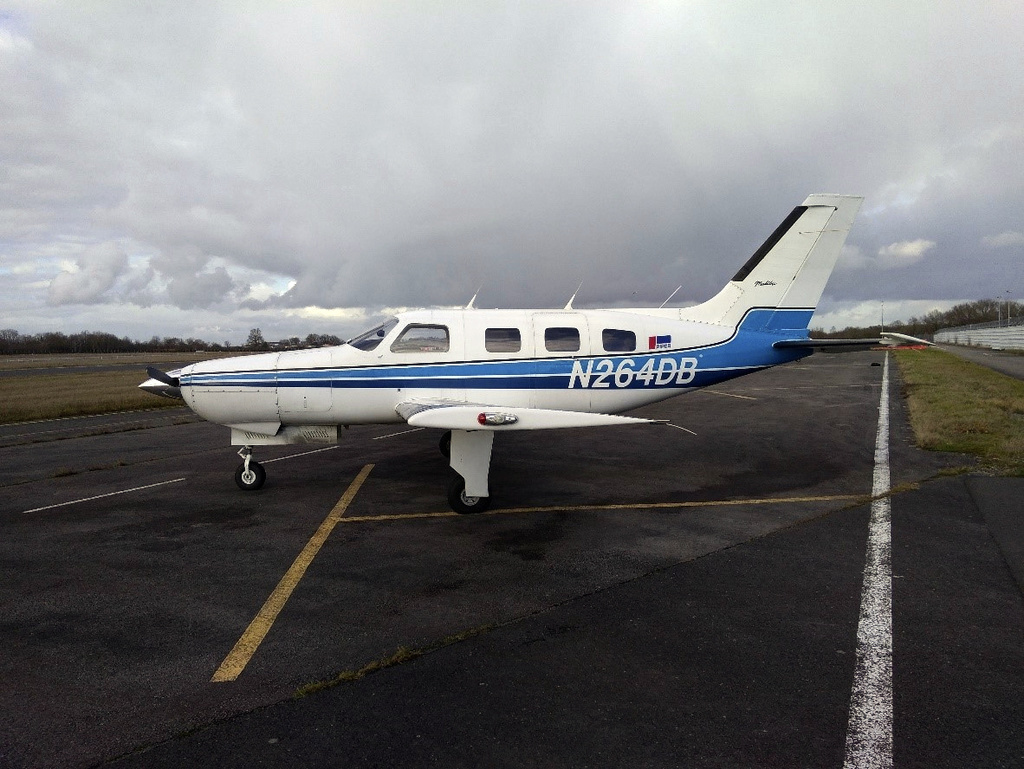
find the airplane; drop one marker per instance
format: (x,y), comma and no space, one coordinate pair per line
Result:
(475,372)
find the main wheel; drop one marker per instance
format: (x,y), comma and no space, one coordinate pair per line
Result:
(463,504)
(251,480)
(445,444)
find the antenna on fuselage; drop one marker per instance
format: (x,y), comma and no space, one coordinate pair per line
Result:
(568,305)
(471,305)
(669,297)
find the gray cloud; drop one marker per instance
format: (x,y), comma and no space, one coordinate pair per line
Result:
(94,273)
(407,155)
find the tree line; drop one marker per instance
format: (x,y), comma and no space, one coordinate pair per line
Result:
(964,314)
(52,342)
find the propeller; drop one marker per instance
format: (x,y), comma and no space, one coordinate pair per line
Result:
(161,383)
(160,376)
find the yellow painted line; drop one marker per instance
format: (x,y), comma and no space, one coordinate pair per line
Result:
(729,395)
(239,656)
(630,506)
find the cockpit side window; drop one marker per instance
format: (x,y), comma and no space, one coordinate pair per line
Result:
(369,340)
(420,337)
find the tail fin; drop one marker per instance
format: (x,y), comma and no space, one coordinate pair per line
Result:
(789,271)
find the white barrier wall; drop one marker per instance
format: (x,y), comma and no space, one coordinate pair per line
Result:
(1004,338)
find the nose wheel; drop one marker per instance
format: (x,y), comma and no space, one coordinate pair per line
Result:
(250,475)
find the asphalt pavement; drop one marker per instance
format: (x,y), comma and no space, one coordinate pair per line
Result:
(677,595)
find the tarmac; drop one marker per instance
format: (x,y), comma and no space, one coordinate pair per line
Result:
(674,595)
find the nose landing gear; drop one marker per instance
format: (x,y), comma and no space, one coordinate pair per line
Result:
(250,475)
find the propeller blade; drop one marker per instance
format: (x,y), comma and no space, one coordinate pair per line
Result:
(160,376)
(161,383)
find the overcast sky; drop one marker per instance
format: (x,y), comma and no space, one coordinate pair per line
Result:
(198,169)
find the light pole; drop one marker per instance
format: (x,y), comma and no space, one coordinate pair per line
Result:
(1007,307)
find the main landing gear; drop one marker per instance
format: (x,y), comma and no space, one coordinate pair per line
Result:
(469,452)
(470,455)
(250,475)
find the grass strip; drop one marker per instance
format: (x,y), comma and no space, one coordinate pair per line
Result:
(50,396)
(959,406)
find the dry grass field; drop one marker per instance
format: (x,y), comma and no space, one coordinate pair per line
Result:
(138,360)
(88,384)
(48,396)
(959,406)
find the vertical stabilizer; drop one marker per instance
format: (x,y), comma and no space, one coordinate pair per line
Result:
(790,269)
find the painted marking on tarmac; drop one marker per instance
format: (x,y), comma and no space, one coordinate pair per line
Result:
(729,395)
(598,508)
(95,416)
(301,454)
(101,496)
(869,733)
(246,646)
(403,432)
(684,429)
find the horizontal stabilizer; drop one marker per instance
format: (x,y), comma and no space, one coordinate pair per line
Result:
(886,338)
(479,417)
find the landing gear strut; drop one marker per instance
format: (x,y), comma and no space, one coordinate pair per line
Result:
(471,458)
(250,475)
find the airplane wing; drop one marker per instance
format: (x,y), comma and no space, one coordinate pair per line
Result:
(886,338)
(461,416)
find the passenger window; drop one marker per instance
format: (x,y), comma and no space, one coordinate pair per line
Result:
(503,340)
(422,338)
(617,340)
(562,339)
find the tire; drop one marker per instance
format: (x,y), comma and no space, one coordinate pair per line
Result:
(254,479)
(462,504)
(445,444)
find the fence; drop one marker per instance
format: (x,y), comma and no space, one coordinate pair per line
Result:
(995,335)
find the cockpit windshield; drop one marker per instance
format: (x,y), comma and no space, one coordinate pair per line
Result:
(369,340)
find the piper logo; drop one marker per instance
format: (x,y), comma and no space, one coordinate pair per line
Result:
(659,342)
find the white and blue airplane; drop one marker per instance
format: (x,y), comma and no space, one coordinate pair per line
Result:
(474,372)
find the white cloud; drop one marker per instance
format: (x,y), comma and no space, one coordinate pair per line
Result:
(903,253)
(1004,239)
(891,257)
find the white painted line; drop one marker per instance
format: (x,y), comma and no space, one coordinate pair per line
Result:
(404,432)
(730,395)
(101,496)
(869,732)
(302,454)
(95,416)
(691,432)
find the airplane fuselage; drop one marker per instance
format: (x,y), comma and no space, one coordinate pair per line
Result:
(597,361)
